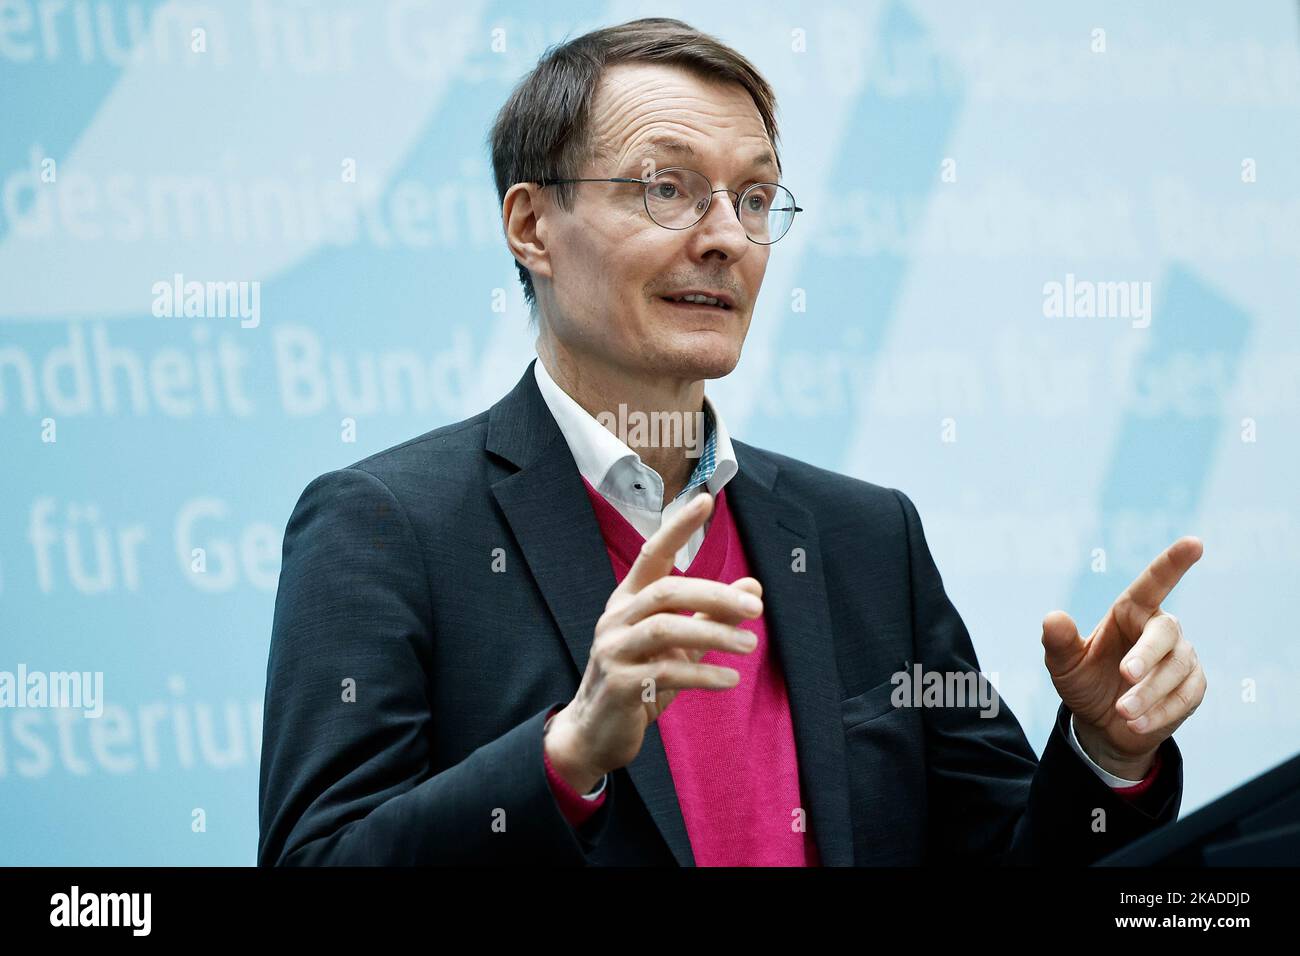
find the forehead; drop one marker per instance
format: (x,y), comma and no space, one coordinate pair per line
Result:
(669,115)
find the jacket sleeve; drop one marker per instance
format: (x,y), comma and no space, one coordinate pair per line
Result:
(990,798)
(346,772)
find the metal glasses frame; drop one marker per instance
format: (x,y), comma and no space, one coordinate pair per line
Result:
(647,183)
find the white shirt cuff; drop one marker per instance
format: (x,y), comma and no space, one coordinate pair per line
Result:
(1110,779)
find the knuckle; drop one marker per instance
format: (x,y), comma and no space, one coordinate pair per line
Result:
(658,626)
(600,650)
(638,638)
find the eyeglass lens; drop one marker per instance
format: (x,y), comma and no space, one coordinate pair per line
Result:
(678,198)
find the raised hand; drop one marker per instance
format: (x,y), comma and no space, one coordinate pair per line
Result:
(1136,678)
(644,652)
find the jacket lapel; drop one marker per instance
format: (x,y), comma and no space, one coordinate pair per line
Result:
(549,513)
(547,508)
(771,527)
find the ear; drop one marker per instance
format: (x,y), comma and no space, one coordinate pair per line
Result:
(523,217)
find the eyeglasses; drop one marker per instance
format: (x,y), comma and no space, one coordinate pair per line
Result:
(678,198)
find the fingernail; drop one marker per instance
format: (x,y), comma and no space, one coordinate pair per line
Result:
(751,604)
(1134,667)
(748,640)
(1141,723)
(1128,704)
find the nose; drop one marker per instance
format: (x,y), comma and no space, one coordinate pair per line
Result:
(733,198)
(721,229)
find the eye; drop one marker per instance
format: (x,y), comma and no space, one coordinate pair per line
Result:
(659,192)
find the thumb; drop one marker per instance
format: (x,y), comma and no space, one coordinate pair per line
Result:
(1062,645)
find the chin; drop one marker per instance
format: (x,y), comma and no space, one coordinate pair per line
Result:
(700,355)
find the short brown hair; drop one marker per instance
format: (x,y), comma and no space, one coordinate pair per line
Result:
(543,130)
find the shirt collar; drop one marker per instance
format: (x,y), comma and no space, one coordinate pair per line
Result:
(603,458)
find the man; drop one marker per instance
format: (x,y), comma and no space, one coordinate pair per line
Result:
(526,638)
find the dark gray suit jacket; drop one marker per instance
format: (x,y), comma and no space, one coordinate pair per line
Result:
(454,581)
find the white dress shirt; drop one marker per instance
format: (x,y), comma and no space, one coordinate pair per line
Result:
(637,492)
(634,488)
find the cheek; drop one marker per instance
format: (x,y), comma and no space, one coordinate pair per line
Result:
(638,263)
(606,255)
(576,258)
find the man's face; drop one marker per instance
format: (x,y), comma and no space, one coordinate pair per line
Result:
(610,264)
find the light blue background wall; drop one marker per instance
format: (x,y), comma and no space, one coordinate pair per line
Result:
(924,302)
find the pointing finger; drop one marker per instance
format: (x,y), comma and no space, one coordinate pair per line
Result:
(1143,597)
(660,551)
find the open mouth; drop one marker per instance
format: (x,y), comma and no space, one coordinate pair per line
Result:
(714,305)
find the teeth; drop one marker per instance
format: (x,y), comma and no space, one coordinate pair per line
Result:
(699,299)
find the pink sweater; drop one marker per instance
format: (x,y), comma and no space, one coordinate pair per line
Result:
(731,752)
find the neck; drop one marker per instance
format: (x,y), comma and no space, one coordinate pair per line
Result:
(601,388)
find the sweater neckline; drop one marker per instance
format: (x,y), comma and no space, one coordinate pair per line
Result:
(622,537)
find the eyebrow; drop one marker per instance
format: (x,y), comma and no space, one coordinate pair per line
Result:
(677,147)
